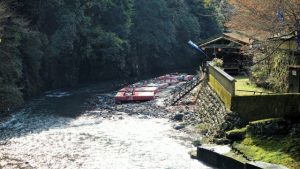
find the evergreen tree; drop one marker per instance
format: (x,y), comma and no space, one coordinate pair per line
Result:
(153,34)
(59,43)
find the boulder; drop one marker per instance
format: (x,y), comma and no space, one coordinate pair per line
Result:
(236,134)
(221,141)
(197,143)
(179,116)
(267,127)
(179,126)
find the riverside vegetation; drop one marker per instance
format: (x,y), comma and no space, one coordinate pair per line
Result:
(51,44)
(269,140)
(60,43)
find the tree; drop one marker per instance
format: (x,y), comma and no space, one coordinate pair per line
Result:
(4,15)
(187,27)
(265,18)
(271,22)
(153,34)
(50,44)
(209,16)
(12,29)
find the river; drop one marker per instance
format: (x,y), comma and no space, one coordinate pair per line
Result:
(56,131)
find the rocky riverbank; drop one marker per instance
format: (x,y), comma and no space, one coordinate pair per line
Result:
(184,114)
(199,113)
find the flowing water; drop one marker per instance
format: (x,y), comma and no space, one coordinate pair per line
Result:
(46,135)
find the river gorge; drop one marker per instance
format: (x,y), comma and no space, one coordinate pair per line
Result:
(60,130)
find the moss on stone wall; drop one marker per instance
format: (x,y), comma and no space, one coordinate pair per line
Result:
(221,91)
(236,134)
(274,140)
(283,150)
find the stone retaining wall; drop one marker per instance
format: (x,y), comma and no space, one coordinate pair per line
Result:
(213,114)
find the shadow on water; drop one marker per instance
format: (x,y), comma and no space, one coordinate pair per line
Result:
(52,109)
(57,108)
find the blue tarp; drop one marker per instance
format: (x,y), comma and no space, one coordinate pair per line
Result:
(193,45)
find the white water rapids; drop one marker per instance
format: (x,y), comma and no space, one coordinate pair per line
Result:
(93,143)
(57,133)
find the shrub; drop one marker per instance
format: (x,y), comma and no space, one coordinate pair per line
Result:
(217,62)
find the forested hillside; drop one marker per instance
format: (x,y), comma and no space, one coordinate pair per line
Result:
(48,44)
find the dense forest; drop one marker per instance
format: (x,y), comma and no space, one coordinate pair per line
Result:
(47,44)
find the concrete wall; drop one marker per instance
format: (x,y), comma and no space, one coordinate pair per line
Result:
(224,95)
(222,83)
(227,81)
(221,161)
(252,108)
(256,107)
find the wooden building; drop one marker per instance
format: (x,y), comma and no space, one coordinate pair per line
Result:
(294,79)
(289,43)
(228,47)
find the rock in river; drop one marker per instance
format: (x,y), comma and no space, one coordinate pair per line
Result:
(179,126)
(178,117)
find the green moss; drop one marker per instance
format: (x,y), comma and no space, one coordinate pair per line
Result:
(266,120)
(221,91)
(243,83)
(241,130)
(202,128)
(284,150)
(237,157)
